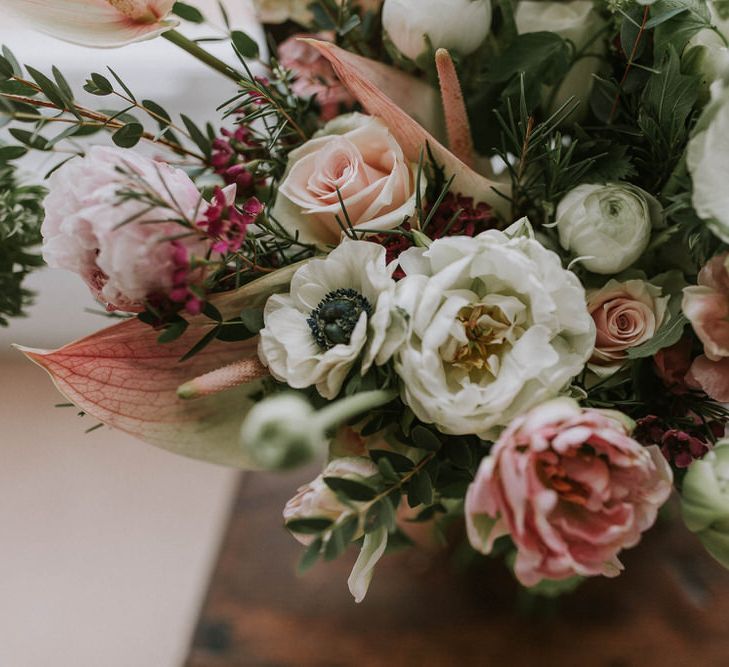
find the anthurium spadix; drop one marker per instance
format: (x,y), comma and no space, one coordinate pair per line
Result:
(122,377)
(363,78)
(97,23)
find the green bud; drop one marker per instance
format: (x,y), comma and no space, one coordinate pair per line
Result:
(705,501)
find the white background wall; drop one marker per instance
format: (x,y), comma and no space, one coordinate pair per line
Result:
(106,544)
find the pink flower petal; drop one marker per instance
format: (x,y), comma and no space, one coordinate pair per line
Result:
(711,377)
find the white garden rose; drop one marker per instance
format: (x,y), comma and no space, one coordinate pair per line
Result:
(708,164)
(496,326)
(339,312)
(580,23)
(355,157)
(607,226)
(316,500)
(461,26)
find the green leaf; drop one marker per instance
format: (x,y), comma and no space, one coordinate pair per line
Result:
(30,139)
(200,140)
(12,152)
(544,55)
(98,85)
(423,438)
(398,462)
(252,318)
(310,526)
(351,489)
(677,21)
(669,334)
(246,46)
(6,68)
(48,88)
(420,490)
(161,115)
(310,556)
(122,84)
(173,331)
(208,338)
(128,135)
(188,12)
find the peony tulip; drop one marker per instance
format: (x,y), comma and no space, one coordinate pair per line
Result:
(97,23)
(571,488)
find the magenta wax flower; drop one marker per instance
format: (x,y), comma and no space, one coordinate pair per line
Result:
(117,219)
(231,151)
(571,488)
(227,225)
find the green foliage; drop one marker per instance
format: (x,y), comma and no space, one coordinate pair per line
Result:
(21,214)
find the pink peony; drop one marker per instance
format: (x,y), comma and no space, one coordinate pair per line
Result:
(314,75)
(571,488)
(706,305)
(94,227)
(626,314)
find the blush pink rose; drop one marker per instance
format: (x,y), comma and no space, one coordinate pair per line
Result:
(314,75)
(355,157)
(706,305)
(92,230)
(571,488)
(626,314)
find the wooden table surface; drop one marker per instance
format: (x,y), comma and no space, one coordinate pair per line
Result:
(670,607)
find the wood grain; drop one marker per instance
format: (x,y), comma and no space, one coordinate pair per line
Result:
(670,607)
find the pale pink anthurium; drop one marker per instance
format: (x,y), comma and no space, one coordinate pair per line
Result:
(97,23)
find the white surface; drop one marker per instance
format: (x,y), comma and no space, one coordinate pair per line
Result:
(106,543)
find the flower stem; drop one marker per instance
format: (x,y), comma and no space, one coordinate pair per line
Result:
(195,50)
(336,413)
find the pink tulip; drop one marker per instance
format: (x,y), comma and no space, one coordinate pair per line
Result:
(97,23)
(571,488)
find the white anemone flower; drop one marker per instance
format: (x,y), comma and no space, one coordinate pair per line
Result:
(496,326)
(339,311)
(97,23)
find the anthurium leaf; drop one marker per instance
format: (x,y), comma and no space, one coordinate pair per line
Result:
(124,378)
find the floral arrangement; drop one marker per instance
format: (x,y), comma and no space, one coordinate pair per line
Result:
(474,256)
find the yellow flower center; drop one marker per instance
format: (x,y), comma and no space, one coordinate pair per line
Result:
(488,331)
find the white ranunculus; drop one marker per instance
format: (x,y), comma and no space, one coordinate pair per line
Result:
(316,500)
(708,164)
(705,501)
(355,157)
(339,311)
(496,326)
(607,226)
(461,26)
(580,23)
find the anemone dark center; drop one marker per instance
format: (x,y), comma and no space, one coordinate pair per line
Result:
(334,319)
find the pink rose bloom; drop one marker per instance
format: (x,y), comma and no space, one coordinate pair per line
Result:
(571,488)
(92,230)
(626,314)
(706,305)
(354,157)
(314,75)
